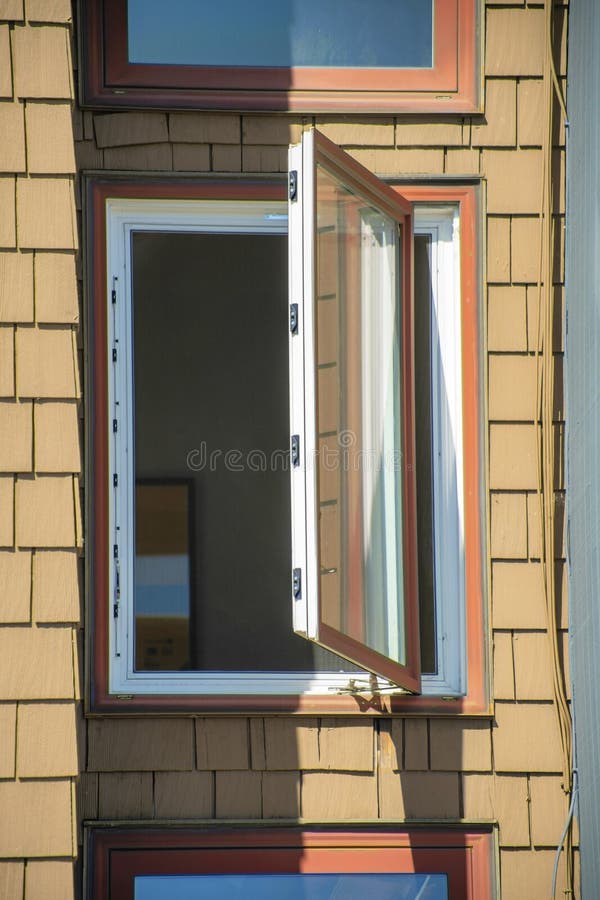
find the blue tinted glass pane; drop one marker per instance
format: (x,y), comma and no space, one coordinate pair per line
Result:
(273,33)
(291,887)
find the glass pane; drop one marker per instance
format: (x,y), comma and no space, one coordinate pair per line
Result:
(273,33)
(404,886)
(423,420)
(359,420)
(213,556)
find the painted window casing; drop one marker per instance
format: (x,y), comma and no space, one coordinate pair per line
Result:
(464,856)
(461,687)
(451,84)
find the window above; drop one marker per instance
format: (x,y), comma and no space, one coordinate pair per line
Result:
(297,55)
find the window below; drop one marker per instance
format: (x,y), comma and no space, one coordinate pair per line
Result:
(450,864)
(193,559)
(296,55)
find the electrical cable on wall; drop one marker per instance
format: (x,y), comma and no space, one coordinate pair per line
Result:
(546,456)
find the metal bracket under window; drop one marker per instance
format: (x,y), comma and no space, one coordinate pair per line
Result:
(358,686)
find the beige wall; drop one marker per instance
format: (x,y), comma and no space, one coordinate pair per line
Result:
(506,769)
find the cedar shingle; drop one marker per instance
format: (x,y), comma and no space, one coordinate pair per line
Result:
(12,145)
(374,132)
(460,744)
(518,595)
(16,287)
(46,218)
(202,128)
(50,138)
(48,10)
(504,675)
(45,362)
(57,446)
(409,161)
(15,586)
(512,388)
(16,442)
(500,127)
(42,64)
(414,132)
(46,740)
(49,880)
(55,281)
(271,130)
(507,317)
(45,514)
(11,10)
(125,128)
(51,678)
(526,738)
(6,510)
(6,84)
(125,795)
(184,795)
(416,744)
(410,795)
(8,734)
(515,42)
(339,795)
(8,222)
(141,745)
(513,450)
(55,589)
(12,877)
(281,795)
(222,743)
(238,795)
(509,526)
(514,179)
(498,249)
(502,798)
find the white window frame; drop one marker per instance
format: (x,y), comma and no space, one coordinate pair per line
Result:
(441,222)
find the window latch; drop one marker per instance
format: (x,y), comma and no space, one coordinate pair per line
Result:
(293,185)
(294,318)
(295,450)
(297,584)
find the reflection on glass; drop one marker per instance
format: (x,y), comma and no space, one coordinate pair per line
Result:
(162,576)
(400,886)
(283,33)
(359,420)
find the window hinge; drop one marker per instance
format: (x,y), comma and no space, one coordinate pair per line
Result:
(293,185)
(297,584)
(113,295)
(114,354)
(295,450)
(294,318)
(115,426)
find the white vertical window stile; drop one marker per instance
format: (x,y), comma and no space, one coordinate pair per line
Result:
(296,279)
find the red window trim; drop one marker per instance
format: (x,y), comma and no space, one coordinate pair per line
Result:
(118,855)
(452,84)
(477,700)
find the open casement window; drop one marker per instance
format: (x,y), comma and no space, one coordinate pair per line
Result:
(415,864)
(351,351)
(193,338)
(297,55)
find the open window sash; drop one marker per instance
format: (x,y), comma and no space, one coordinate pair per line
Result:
(354,584)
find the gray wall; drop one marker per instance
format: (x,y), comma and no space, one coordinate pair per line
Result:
(583,416)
